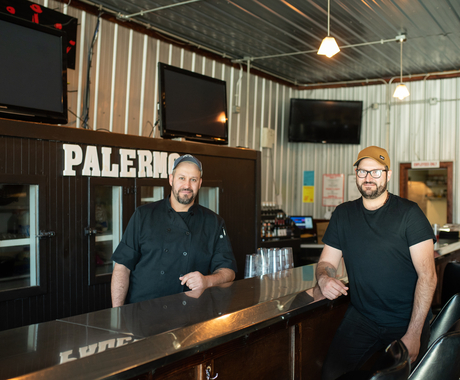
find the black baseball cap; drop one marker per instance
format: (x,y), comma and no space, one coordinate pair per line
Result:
(188,158)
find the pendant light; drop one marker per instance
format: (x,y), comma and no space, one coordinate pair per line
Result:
(329,46)
(401,90)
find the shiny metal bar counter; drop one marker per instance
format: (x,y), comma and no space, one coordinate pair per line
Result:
(133,339)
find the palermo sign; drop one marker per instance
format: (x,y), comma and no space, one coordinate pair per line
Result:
(97,162)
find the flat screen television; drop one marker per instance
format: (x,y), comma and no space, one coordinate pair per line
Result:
(192,105)
(325,121)
(33,71)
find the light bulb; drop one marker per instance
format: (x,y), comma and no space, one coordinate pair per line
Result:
(328,47)
(401,92)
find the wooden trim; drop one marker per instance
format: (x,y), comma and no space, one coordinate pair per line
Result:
(50,132)
(403,178)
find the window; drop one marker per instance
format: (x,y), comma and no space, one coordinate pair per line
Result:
(105,224)
(151,194)
(19,244)
(150,190)
(107,215)
(208,196)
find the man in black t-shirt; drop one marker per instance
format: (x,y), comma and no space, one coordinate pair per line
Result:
(172,245)
(387,246)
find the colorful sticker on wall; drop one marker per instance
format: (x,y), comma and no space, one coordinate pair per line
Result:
(308,191)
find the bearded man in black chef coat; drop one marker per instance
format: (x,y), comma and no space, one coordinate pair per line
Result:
(172,245)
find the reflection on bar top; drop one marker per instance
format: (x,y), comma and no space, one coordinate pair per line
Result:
(157,328)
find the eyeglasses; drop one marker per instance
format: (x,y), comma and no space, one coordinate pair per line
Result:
(376,173)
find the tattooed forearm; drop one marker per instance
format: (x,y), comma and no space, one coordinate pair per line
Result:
(325,268)
(331,271)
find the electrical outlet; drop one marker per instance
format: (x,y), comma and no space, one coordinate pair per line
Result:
(236,109)
(268,137)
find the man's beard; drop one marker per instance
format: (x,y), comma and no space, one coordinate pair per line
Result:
(183,199)
(374,193)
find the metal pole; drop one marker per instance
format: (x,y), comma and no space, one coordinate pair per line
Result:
(315,50)
(248,82)
(141,13)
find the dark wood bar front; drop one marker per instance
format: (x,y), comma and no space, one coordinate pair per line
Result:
(66,271)
(272,327)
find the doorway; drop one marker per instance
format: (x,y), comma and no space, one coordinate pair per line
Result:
(430,188)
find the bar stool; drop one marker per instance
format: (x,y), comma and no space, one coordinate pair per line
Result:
(441,359)
(393,364)
(449,313)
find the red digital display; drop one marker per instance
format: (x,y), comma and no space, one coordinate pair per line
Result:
(44,16)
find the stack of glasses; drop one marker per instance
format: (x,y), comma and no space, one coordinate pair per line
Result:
(267,261)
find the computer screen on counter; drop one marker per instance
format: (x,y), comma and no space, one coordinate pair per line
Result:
(303,222)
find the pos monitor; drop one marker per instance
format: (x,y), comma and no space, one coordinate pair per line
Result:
(304,223)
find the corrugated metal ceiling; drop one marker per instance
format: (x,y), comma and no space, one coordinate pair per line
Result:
(255,28)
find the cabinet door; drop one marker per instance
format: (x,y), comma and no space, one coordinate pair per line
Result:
(262,357)
(22,215)
(110,206)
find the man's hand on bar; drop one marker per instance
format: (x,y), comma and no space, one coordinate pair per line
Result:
(331,287)
(195,280)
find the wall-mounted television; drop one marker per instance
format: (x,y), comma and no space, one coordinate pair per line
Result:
(192,105)
(33,71)
(325,121)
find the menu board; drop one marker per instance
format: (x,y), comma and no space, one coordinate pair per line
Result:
(333,189)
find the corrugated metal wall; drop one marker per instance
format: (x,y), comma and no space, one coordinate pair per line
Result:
(123,95)
(412,130)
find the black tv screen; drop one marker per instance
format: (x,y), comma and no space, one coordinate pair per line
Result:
(325,121)
(33,71)
(192,105)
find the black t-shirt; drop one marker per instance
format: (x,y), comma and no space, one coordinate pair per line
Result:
(375,247)
(159,247)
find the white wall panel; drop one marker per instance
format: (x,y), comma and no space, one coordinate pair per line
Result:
(239,119)
(103,55)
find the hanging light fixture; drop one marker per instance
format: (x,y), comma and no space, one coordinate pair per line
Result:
(401,90)
(329,46)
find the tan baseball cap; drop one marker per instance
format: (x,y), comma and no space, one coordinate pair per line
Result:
(378,154)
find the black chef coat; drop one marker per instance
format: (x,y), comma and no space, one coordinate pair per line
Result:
(159,247)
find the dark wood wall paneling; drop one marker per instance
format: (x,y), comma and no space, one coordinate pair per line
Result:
(238,202)
(28,149)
